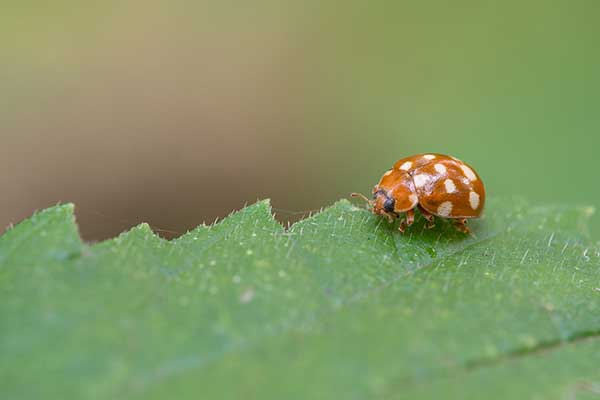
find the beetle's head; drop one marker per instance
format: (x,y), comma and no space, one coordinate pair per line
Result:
(381,204)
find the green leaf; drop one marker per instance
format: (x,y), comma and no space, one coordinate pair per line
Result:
(339,306)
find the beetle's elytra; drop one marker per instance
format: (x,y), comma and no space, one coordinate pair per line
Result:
(437,184)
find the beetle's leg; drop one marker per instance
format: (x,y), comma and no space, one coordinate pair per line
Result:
(429,217)
(461,225)
(390,217)
(408,221)
(410,217)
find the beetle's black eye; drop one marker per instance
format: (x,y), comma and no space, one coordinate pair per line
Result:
(389,204)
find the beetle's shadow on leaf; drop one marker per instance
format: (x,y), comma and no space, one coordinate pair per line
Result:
(419,246)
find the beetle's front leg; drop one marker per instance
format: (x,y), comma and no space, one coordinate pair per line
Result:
(389,217)
(408,221)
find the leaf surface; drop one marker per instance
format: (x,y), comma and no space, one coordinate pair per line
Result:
(339,306)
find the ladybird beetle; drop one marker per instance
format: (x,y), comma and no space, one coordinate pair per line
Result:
(437,184)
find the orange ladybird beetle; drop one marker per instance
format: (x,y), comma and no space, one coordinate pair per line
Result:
(437,184)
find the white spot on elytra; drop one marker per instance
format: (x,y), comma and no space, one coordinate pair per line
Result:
(429,156)
(414,199)
(469,172)
(421,180)
(474,200)
(445,208)
(440,168)
(406,166)
(450,186)
(388,172)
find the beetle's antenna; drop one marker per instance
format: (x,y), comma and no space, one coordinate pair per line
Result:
(362,196)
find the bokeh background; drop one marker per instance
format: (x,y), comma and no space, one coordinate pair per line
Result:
(177,112)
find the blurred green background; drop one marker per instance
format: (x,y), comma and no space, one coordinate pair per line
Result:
(177,112)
